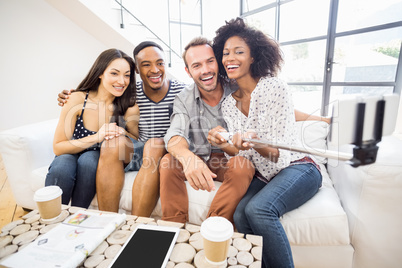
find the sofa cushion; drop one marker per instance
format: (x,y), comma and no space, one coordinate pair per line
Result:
(320,221)
(313,135)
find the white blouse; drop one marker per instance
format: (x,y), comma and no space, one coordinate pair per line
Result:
(271,116)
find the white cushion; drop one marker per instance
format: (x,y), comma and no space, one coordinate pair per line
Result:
(320,221)
(313,134)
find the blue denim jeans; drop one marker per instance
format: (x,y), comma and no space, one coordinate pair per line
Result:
(263,204)
(136,162)
(75,174)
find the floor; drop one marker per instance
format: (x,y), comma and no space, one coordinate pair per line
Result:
(9,211)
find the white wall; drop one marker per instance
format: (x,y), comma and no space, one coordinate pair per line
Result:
(215,13)
(42,52)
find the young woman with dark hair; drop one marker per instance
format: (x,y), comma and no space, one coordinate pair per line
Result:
(102,107)
(262,108)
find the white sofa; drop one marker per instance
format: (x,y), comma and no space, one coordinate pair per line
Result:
(354,224)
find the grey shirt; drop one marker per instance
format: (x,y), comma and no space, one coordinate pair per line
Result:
(192,119)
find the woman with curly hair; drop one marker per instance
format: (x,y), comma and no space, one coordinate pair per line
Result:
(262,108)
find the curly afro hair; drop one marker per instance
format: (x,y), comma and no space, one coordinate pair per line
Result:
(265,50)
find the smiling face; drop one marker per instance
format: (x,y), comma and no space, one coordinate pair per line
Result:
(151,67)
(236,58)
(202,67)
(116,77)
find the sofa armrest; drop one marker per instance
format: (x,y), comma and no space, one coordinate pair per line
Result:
(371,196)
(24,149)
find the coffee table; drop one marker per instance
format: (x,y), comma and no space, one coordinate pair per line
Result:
(245,251)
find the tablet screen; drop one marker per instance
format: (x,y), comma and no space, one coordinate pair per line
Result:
(146,248)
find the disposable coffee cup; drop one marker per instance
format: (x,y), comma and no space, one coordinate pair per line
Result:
(48,201)
(216,233)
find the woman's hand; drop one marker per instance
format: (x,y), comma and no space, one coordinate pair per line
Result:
(110,130)
(239,140)
(216,139)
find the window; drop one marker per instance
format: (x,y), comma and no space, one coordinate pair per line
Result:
(333,47)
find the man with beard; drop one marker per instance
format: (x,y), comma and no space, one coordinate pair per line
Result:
(192,153)
(155,96)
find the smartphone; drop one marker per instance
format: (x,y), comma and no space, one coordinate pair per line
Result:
(345,120)
(148,246)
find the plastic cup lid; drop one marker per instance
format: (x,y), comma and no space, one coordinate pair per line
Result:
(47,193)
(216,229)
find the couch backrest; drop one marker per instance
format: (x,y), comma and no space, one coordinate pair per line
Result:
(313,135)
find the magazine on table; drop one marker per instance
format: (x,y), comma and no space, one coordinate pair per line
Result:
(69,243)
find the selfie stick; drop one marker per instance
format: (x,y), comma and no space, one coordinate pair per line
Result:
(364,152)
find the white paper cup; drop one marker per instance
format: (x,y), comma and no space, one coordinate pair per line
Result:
(48,200)
(216,233)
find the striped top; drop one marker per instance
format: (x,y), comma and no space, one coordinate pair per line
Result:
(155,116)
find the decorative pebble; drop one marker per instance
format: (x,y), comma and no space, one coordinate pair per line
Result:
(182,253)
(256,264)
(192,228)
(232,261)
(47,228)
(242,244)
(130,222)
(105,263)
(30,214)
(232,251)
(25,238)
(7,250)
(5,240)
(196,241)
(100,249)
(183,237)
(93,261)
(237,235)
(125,227)
(134,226)
(256,240)
(170,264)
(257,253)
(118,237)
(144,220)
(11,225)
(37,227)
(131,217)
(35,223)
(183,265)
(20,229)
(4,234)
(111,251)
(245,258)
(170,224)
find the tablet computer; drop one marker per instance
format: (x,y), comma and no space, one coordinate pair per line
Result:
(148,246)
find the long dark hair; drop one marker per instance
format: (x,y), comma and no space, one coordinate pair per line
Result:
(264,50)
(91,82)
